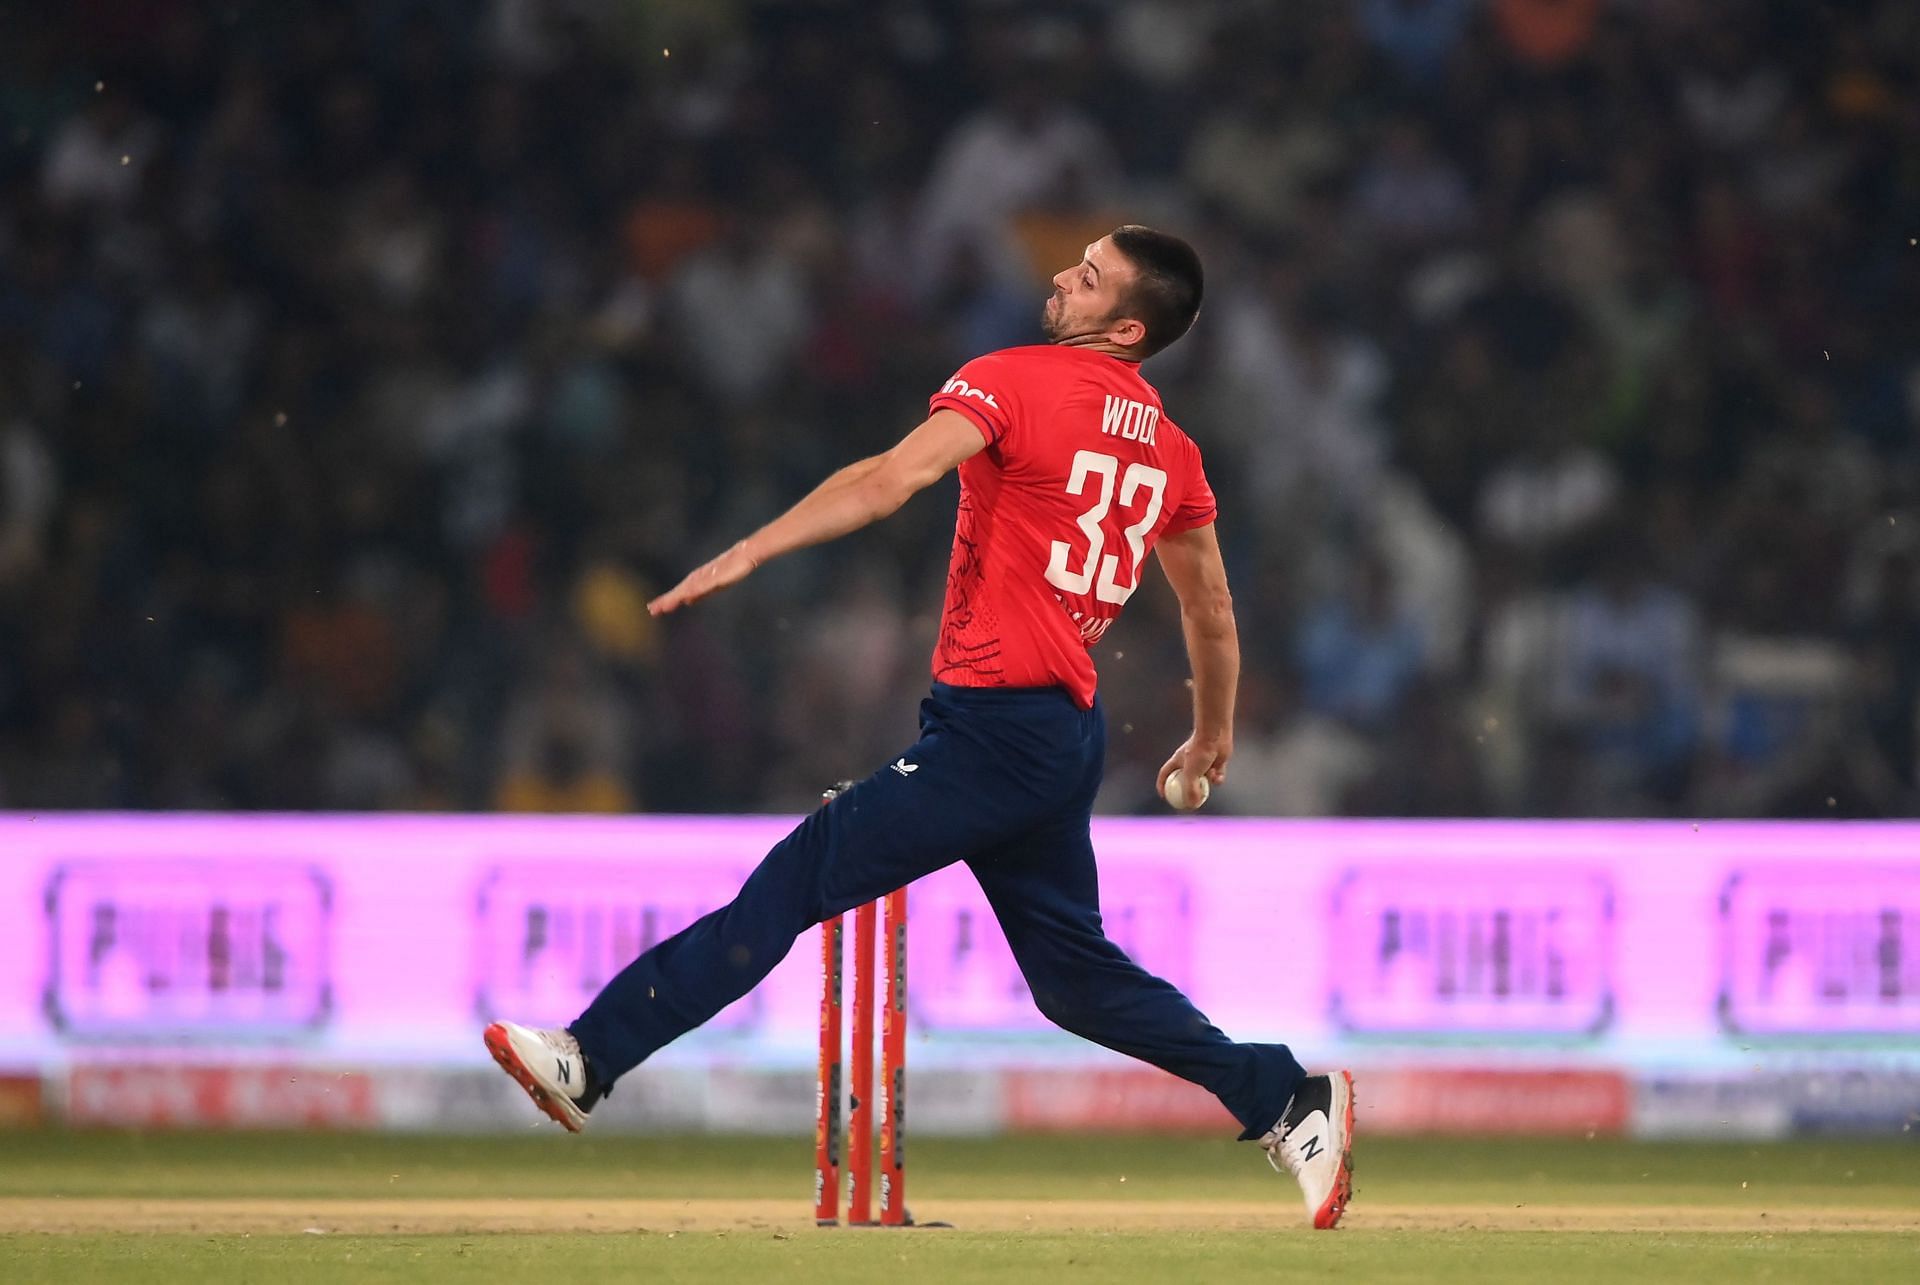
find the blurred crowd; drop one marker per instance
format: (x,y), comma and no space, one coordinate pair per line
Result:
(364,367)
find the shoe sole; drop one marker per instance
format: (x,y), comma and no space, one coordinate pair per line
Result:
(1327,1217)
(563,1113)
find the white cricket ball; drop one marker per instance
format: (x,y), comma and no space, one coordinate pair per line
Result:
(1184,795)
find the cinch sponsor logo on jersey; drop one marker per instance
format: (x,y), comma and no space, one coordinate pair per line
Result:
(1134,421)
(961,388)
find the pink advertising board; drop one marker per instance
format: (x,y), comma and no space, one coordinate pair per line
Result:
(388,941)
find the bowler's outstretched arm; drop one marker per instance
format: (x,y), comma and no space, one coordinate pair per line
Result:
(859,494)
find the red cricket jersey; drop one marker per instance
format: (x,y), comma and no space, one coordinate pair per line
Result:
(1082,474)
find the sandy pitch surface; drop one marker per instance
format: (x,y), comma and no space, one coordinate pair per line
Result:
(93,1215)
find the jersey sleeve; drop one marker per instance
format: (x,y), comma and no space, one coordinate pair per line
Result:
(982,390)
(1197,506)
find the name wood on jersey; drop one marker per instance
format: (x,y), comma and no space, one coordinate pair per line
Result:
(1131,420)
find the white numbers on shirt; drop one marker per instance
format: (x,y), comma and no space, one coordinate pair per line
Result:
(1138,477)
(1155,482)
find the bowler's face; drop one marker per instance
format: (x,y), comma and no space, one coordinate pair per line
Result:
(1086,297)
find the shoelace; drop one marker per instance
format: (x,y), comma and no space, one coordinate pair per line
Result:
(561,1042)
(1275,1141)
(1278,1156)
(1273,1159)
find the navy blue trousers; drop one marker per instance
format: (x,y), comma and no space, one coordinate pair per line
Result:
(1003,779)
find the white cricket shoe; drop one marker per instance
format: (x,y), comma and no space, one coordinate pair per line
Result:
(548,1064)
(1314,1143)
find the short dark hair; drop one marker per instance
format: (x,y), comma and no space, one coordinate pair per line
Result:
(1166,298)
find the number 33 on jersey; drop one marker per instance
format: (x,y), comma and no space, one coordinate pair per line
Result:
(1082,474)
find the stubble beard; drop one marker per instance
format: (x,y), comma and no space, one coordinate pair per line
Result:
(1054,324)
(1049,323)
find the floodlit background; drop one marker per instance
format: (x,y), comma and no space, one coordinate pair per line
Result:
(364,367)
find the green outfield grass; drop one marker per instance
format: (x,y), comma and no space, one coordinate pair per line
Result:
(162,1208)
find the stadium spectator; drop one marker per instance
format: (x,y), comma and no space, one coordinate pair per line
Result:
(1357,652)
(360,368)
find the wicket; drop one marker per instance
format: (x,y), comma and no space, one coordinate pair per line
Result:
(859,1149)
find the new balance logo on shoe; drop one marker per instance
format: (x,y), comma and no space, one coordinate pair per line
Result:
(1313,1141)
(548,1064)
(905,768)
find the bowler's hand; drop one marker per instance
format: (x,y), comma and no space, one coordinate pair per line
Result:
(1196,758)
(729,568)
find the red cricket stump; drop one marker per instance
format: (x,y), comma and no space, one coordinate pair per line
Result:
(860,1141)
(893,1068)
(827,1088)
